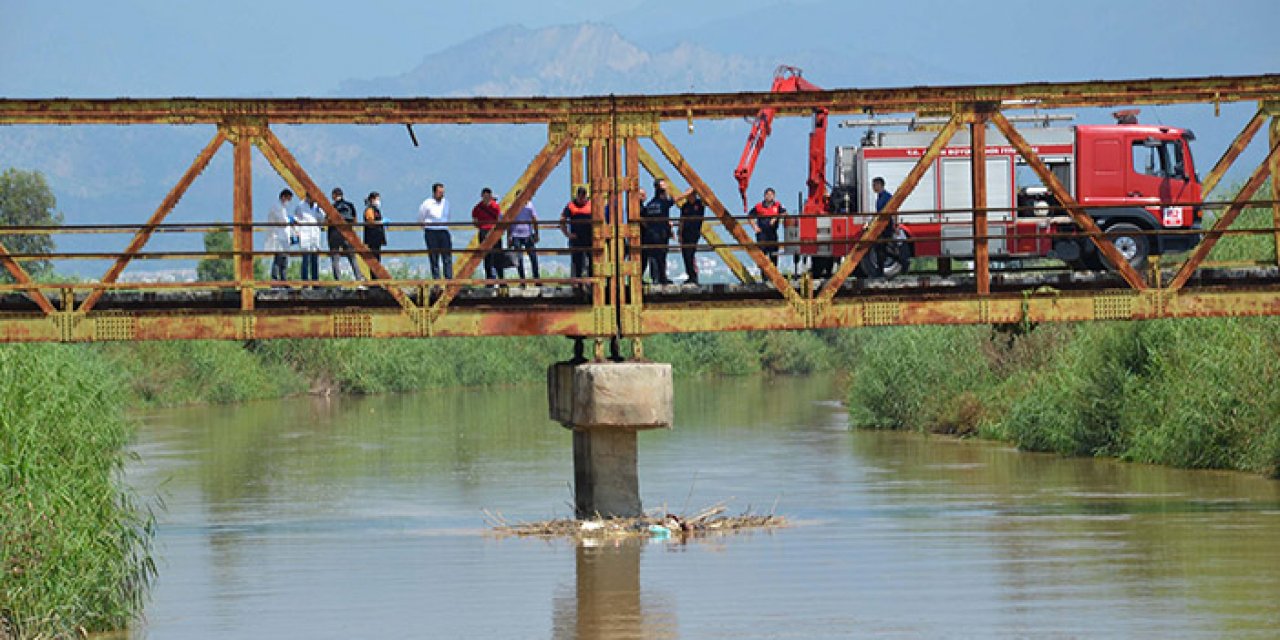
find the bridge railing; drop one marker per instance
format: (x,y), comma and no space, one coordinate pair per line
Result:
(608,142)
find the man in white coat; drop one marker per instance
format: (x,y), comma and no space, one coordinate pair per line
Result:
(279,236)
(306,220)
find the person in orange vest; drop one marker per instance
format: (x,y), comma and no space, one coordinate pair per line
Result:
(575,224)
(765,219)
(485,215)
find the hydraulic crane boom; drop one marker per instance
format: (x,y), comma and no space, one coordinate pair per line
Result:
(787,79)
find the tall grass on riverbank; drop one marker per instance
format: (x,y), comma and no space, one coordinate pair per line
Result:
(1201,393)
(74,548)
(1188,393)
(168,373)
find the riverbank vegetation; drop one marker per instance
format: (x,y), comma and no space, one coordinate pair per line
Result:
(74,546)
(1189,393)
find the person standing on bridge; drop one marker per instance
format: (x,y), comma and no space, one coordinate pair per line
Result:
(880,251)
(691,214)
(522,237)
(278,236)
(765,219)
(656,231)
(575,224)
(306,219)
(338,244)
(485,215)
(434,217)
(375,231)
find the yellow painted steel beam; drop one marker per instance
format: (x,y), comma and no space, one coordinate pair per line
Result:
(654,318)
(768,270)
(1059,192)
(871,233)
(541,167)
(1212,236)
(713,239)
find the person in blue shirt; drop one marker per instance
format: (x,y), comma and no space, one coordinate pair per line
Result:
(883,196)
(879,251)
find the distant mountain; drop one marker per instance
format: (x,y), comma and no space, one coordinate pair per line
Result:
(114,174)
(582,59)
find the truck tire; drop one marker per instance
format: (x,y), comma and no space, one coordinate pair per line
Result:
(1129,240)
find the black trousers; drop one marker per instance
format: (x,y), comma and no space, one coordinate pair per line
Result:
(655,262)
(580,261)
(769,234)
(689,237)
(491,269)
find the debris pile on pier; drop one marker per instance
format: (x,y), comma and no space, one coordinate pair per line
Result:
(657,524)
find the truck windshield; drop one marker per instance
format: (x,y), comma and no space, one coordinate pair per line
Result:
(1163,160)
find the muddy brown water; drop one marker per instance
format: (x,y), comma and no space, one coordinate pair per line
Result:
(361,518)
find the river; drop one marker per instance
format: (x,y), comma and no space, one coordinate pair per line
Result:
(362,518)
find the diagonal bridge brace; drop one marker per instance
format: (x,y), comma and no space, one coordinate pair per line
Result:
(872,232)
(289,169)
(768,270)
(166,207)
(534,175)
(1212,236)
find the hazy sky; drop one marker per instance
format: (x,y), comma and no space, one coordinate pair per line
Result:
(108,48)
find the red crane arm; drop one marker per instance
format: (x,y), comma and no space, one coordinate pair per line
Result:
(786,79)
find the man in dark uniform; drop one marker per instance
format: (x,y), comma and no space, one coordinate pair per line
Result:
(691,214)
(338,245)
(655,231)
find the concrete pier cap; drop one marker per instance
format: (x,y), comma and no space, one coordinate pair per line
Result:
(606,404)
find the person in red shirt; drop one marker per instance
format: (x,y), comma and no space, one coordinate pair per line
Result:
(765,218)
(485,215)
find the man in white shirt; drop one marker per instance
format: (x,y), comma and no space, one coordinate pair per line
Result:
(280,235)
(434,217)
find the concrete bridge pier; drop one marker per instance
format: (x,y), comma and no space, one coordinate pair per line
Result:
(606,404)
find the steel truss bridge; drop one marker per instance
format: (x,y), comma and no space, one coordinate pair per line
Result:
(602,137)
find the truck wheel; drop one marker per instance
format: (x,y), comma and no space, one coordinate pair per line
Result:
(1130,242)
(897,260)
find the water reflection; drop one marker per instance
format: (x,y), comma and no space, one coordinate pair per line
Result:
(349,517)
(607,600)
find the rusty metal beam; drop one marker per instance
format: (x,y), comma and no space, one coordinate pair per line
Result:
(599,174)
(713,239)
(170,201)
(1274,170)
(1212,236)
(978,182)
(288,168)
(532,178)
(1045,95)
(1229,156)
(768,270)
(871,233)
(21,277)
(1079,215)
(242,215)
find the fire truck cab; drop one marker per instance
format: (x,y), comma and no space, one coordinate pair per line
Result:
(1134,180)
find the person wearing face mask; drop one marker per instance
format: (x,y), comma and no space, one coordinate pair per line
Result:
(375,233)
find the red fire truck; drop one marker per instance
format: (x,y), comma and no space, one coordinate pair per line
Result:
(1134,180)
